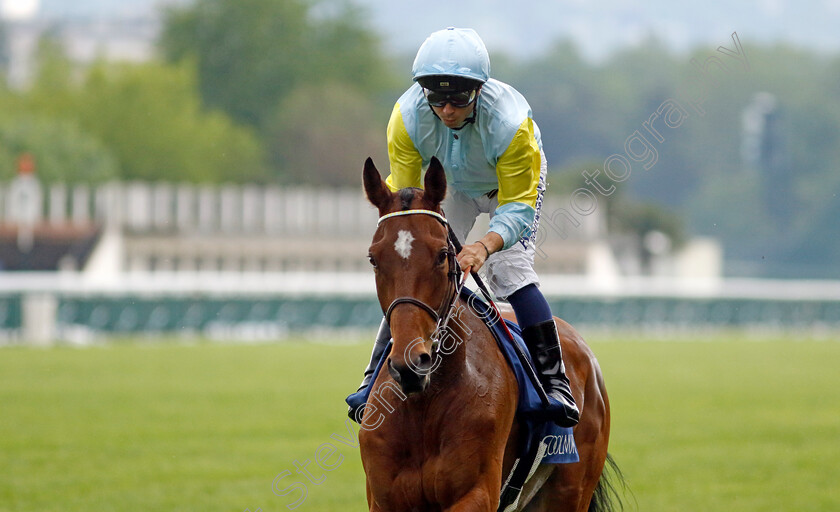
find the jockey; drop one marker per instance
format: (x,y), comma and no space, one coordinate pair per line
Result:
(483,133)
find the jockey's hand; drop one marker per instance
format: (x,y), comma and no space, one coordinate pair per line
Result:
(472,256)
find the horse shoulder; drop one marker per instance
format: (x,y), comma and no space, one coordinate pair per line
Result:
(482,394)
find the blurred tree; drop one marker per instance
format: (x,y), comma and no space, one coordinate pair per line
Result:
(624,214)
(252,54)
(322,135)
(151,116)
(62,152)
(643,218)
(762,211)
(54,84)
(37,122)
(576,121)
(148,116)
(586,112)
(5,57)
(53,68)
(311,81)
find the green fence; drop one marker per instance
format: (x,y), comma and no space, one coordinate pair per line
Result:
(10,312)
(273,315)
(718,312)
(173,314)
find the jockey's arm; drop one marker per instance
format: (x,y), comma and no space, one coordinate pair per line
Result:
(406,162)
(518,171)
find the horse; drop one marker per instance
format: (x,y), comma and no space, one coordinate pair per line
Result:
(442,432)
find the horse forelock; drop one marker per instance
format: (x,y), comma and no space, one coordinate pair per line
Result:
(407,197)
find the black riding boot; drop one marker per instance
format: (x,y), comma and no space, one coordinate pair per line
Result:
(383,337)
(544,345)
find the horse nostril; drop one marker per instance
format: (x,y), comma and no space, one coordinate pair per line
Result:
(424,361)
(393,371)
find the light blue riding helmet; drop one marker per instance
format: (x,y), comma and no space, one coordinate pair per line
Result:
(452,59)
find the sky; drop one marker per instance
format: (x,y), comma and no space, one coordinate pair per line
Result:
(18,9)
(599,28)
(526,28)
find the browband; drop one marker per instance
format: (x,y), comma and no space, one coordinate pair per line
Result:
(412,212)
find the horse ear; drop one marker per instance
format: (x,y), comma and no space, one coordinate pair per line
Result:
(375,189)
(434,184)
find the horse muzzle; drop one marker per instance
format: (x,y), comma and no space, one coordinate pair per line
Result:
(414,377)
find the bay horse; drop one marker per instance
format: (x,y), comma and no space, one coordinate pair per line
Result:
(442,434)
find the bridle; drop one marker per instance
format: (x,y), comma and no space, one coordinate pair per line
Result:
(443,313)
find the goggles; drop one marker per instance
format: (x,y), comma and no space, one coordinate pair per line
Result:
(456,99)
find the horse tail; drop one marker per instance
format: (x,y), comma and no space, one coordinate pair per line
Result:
(607,496)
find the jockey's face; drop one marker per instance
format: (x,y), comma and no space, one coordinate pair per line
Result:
(454,117)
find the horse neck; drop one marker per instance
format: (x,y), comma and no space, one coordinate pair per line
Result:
(471,340)
(458,389)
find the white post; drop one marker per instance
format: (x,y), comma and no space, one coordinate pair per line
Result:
(185,208)
(58,204)
(23,207)
(252,206)
(231,209)
(207,209)
(39,318)
(108,200)
(273,212)
(162,210)
(81,205)
(326,212)
(138,205)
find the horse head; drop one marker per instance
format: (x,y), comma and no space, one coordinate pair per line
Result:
(414,264)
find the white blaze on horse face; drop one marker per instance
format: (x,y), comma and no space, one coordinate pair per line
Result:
(403,243)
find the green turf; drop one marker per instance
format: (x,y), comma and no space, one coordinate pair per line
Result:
(726,425)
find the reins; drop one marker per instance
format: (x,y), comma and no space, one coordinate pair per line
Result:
(520,352)
(479,282)
(441,316)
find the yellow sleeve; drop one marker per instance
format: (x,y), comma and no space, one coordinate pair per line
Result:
(406,162)
(518,169)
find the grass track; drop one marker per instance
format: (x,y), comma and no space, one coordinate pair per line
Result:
(725,425)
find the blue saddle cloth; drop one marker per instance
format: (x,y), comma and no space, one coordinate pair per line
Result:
(560,447)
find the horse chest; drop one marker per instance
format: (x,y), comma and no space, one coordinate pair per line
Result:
(432,464)
(436,482)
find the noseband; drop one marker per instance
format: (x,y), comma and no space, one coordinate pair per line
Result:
(442,313)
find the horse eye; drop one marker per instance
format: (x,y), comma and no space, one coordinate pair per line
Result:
(371,260)
(442,255)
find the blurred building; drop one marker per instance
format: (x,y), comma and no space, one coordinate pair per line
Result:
(254,262)
(163,227)
(85,35)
